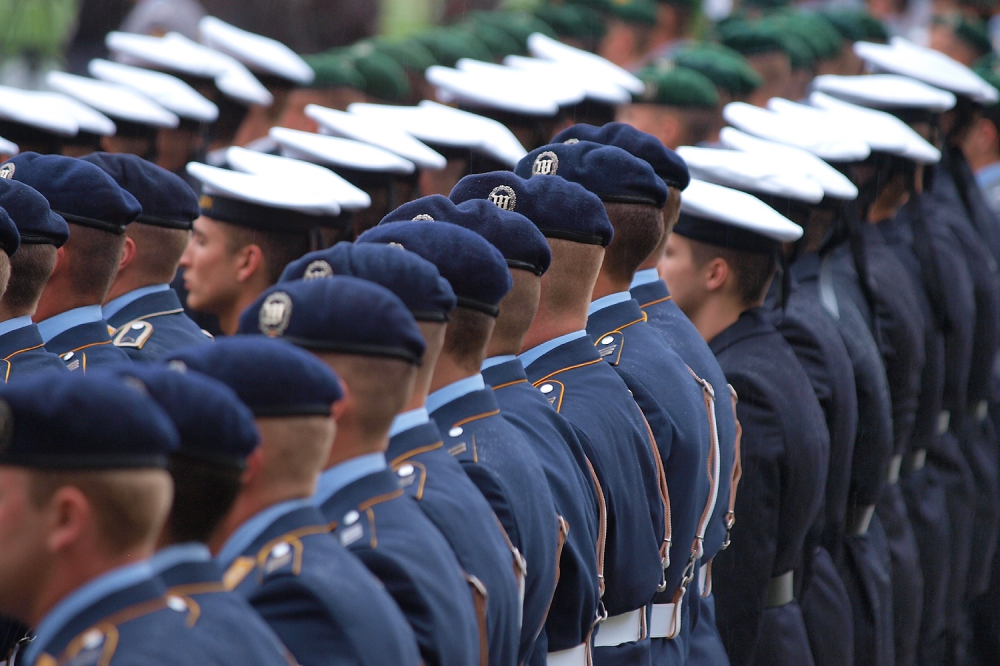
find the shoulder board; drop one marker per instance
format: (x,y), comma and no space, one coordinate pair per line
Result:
(610,347)
(237,571)
(133,335)
(282,554)
(553,390)
(72,360)
(208,335)
(5,368)
(412,476)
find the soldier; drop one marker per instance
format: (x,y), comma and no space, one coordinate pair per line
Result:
(416,453)
(719,263)
(248,231)
(86,494)
(672,399)
(464,409)
(570,476)
(679,106)
(69,314)
(370,338)
(273,544)
(42,233)
(147,315)
(217,435)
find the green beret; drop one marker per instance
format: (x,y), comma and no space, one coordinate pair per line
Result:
(499,42)
(765,4)
(726,68)
(816,31)
(634,11)
(988,67)
(856,25)
(669,85)
(519,25)
(972,33)
(573,21)
(409,53)
(449,45)
(384,77)
(751,38)
(334,70)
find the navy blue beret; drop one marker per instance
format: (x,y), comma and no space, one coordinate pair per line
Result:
(609,172)
(272,378)
(518,240)
(476,270)
(559,208)
(667,164)
(32,215)
(9,238)
(212,422)
(79,191)
(339,314)
(72,421)
(167,201)
(413,279)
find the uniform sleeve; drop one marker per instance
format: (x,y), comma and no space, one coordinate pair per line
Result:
(742,571)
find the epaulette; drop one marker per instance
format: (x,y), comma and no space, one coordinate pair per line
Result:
(5,368)
(553,390)
(72,360)
(133,335)
(412,476)
(208,335)
(610,347)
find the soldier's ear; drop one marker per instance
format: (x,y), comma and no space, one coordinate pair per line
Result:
(128,254)
(715,273)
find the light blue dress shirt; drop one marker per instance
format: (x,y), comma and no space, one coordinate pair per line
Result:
(62,322)
(409,420)
(454,391)
(608,301)
(14,324)
(246,533)
(496,360)
(645,276)
(535,353)
(178,553)
(346,473)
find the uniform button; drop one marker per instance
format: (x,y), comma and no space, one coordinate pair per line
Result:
(351,517)
(177,604)
(607,341)
(546,388)
(67,356)
(405,471)
(281,550)
(92,639)
(455,432)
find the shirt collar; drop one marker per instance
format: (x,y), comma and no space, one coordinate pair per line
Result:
(645,276)
(178,553)
(497,360)
(248,532)
(608,301)
(114,306)
(62,322)
(988,175)
(340,476)
(14,324)
(80,599)
(409,420)
(535,353)
(454,391)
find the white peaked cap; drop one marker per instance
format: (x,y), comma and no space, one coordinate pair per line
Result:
(472,89)
(563,92)
(882,91)
(753,172)
(113,100)
(305,175)
(87,119)
(255,51)
(442,125)
(176,53)
(596,85)
(168,91)
(367,130)
(335,151)
(288,194)
(901,56)
(915,147)
(546,48)
(8,147)
(835,184)
(827,143)
(863,127)
(737,209)
(29,108)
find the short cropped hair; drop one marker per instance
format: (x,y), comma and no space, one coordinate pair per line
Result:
(466,337)
(752,272)
(204,493)
(31,267)
(638,230)
(279,249)
(381,387)
(157,250)
(94,259)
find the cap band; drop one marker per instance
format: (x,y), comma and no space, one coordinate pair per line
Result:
(478,306)
(353,348)
(83,462)
(430,315)
(164,222)
(719,234)
(574,236)
(628,199)
(525,266)
(263,218)
(101,225)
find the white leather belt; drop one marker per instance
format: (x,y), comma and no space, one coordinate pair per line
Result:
(624,628)
(780,590)
(859,518)
(943,421)
(919,459)
(703,580)
(575,656)
(665,621)
(895,465)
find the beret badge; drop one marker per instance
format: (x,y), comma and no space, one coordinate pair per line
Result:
(503,196)
(7,171)
(423,217)
(275,314)
(317,269)
(546,164)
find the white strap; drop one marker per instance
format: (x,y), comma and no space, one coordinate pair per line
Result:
(618,629)
(521,573)
(703,579)
(895,465)
(665,621)
(575,656)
